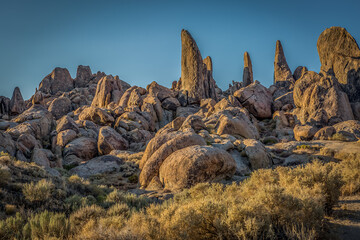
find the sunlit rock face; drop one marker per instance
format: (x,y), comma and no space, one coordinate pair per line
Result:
(196,73)
(282,71)
(339,55)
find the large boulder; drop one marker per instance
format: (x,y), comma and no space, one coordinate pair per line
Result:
(248,72)
(196,75)
(7,145)
(304,132)
(237,125)
(320,100)
(60,106)
(59,80)
(159,91)
(17,104)
(159,148)
(349,128)
(66,123)
(100,165)
(108,90)
(189,166)
(256,98)
(257,154)
(83,76)
(340,55)
(80,149)
(96,115)
(36,121)
(110,140)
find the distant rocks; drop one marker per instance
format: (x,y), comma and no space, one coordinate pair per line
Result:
(248,72)
(59,80)
(17,104)
(83,76)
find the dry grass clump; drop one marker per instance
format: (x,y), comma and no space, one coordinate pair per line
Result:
(38,192)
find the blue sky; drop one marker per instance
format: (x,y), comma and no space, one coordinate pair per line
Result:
(140,40)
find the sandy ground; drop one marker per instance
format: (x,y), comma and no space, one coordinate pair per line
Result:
(345,221)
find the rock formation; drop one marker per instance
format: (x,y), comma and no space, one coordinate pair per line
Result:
(83,76)
(196,75)
(108,90)
(282,71)
(320,100)
(339,55)
(59,80)
(17,104)
(248,72)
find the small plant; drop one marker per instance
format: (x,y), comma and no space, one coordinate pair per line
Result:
(133,178)
(38,192)
(10,209)
(5,176)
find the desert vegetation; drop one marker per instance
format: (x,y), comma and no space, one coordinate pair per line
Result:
(286,203)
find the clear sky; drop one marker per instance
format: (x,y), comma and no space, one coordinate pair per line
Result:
(140,40)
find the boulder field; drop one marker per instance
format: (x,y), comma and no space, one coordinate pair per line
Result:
(192,132)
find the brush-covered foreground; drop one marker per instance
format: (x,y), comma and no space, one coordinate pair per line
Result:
(283,203)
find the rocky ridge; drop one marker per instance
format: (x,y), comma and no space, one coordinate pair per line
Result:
(193,132)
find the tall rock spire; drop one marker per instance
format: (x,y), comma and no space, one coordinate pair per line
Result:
(196,73)
(248,72)
(282,71)
(17,104)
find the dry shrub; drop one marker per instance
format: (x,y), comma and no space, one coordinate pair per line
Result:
(38,192)
(350,172)
(5,176)
(47,225)
(281,203)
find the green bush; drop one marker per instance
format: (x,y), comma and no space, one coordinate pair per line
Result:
(38,192)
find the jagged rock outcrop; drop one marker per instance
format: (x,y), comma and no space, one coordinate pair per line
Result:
(108,90)
(59,80)
(320,100)
(248,72)
(196,75)
(36,121)
(4,106)
(60,106)
(83,76)
(17,104)
(255,98)
(195,164)
(282,71)
(340,55)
